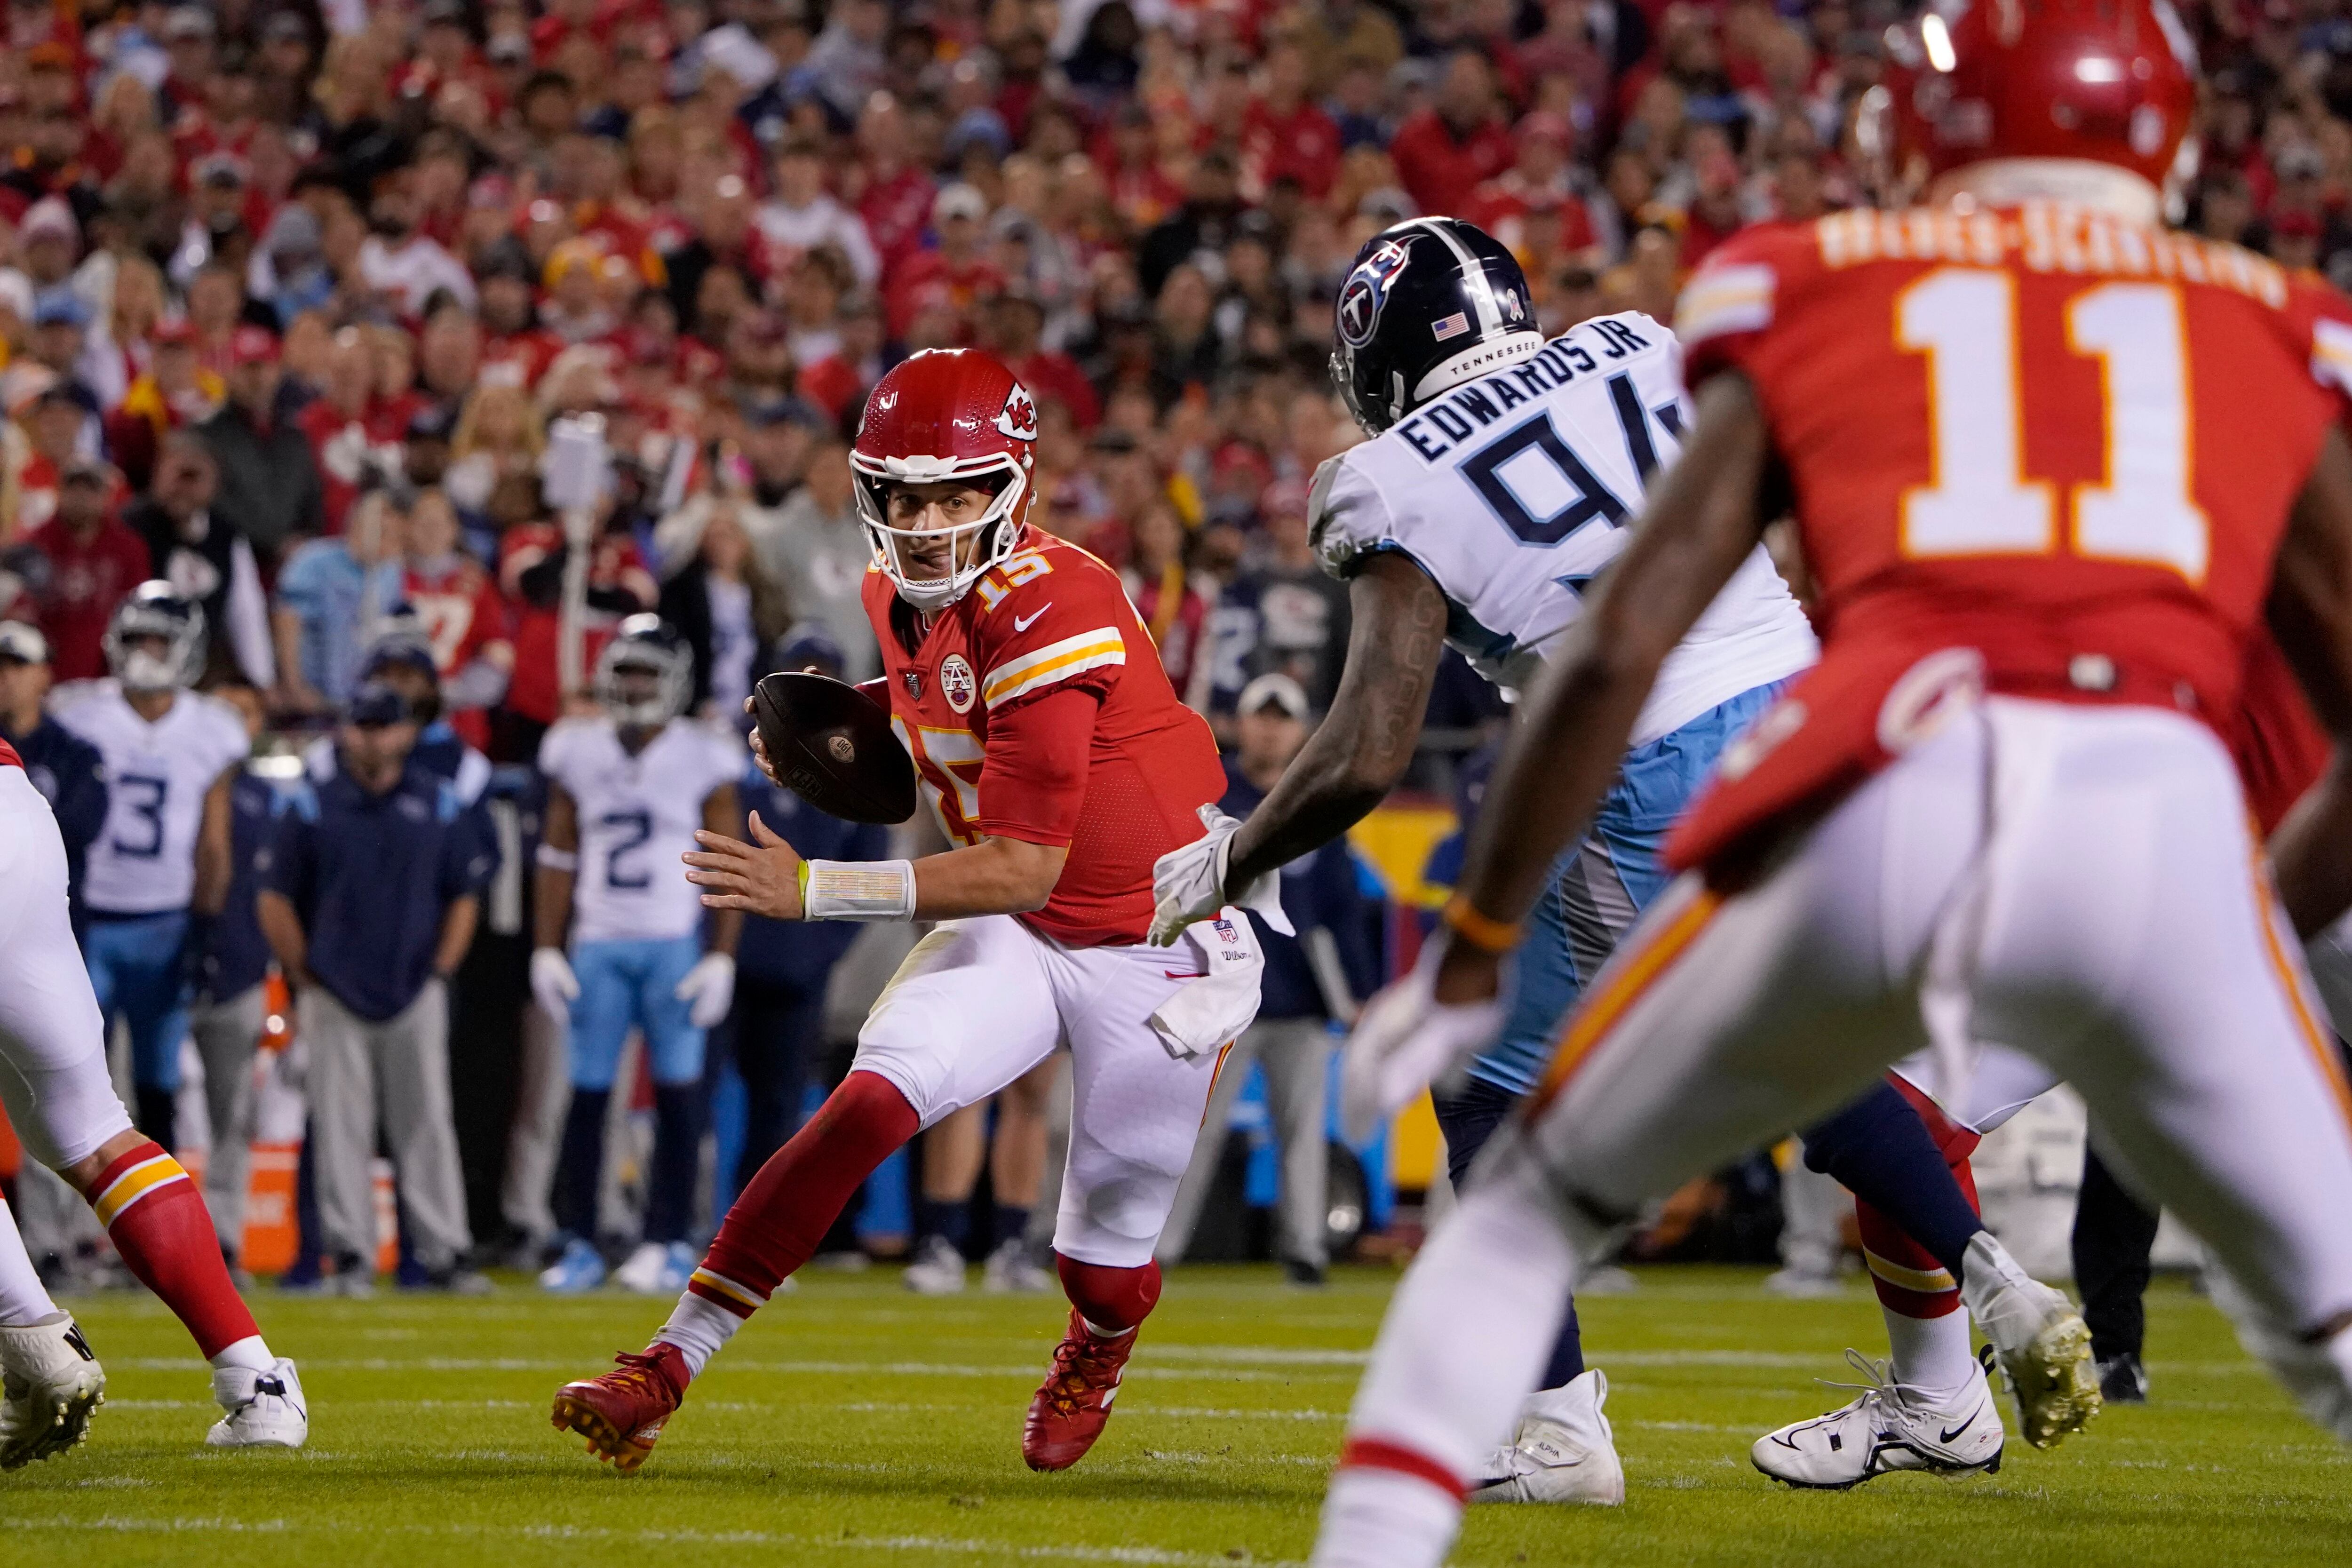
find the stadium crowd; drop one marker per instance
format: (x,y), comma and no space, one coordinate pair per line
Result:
(293,294)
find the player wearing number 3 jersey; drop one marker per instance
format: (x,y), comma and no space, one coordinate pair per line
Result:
(2051,468)
(1060,765)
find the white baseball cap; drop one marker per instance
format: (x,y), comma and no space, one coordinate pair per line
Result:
(1278,689)
(22,643)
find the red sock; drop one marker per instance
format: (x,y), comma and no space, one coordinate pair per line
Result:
(1113,1299)
(784,1211)
(1906,1276)
(159,1224)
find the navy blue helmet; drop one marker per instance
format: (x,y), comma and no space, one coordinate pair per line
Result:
(1430,303)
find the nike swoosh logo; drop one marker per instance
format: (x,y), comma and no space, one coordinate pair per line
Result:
(1023,623)
(1966,1423)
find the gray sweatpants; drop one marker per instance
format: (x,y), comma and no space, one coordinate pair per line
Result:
(1296,1053)
(226,1034)
(401,1066)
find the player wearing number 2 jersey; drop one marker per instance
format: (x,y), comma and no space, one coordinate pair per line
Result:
(2050,465)
(1061,766)
(626,791)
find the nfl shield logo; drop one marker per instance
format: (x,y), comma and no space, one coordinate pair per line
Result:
(1224,930)
(914,679)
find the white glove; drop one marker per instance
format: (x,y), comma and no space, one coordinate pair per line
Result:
(710,986)
(1405,1039)
(552,984)
(1188,883)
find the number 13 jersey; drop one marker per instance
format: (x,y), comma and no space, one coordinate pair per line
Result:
(1514,490)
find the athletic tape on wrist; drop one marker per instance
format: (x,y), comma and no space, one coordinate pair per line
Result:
(556,860)
(857,890)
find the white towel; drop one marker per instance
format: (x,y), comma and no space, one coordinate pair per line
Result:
(1206,1014)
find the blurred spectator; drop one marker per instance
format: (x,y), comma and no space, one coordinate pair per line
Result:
(816,544)
(1174,609)
(461,614)
(1012,327)
(803,215)
(94,561)
(205,558)
(64,767)
(333,596)
(269,481)
(1282,615)
(1459,142)
(369,899)
(1312,982)
(729,607)
(172,391)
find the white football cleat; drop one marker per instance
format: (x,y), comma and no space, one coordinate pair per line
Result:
(1890,1427)
(50,1385)
(651,1271)
(2043,1344)
(938,1268)
(266,1409)
(1563,1451)
(1010,1270)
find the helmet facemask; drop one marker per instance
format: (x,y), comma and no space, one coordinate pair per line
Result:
(932,568)
(642,688)
(140,668)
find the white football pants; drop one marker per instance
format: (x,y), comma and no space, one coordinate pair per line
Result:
(980,1002)
(2079,881)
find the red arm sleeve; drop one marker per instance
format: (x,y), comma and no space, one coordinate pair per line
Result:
(1034,780)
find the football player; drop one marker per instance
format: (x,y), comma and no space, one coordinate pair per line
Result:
(2051,466)
(1501,475)
(59,1098)
(1060,764)
(626,793)
(161,864)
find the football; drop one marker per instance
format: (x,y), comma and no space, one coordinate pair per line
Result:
(831,745)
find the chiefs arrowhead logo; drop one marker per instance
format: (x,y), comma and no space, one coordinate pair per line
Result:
(1019,418)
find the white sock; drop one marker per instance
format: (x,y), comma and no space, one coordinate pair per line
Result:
(23,1301)
(699,1329)
(248,1352)
(1384,1518)
(1501,1263)
(1932,1355)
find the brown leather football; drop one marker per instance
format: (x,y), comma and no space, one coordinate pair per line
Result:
(831,745)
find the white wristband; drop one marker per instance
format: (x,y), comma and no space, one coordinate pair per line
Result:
(556,860)
(857,889)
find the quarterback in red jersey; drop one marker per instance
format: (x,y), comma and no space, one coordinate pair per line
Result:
(1061,766)
(2052,467)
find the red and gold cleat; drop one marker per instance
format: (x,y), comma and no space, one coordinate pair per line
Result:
(1072,1405)
(621,1414)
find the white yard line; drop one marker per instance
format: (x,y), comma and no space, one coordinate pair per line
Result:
(925,1545)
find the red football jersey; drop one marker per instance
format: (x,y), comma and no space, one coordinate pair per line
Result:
(1052,620)
(2064,443)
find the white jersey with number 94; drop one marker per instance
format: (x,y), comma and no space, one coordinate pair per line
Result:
(1514,490)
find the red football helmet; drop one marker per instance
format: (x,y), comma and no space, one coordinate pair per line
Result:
(2107,81)
(942,415)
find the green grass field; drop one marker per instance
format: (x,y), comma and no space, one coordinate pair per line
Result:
(854,1424)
